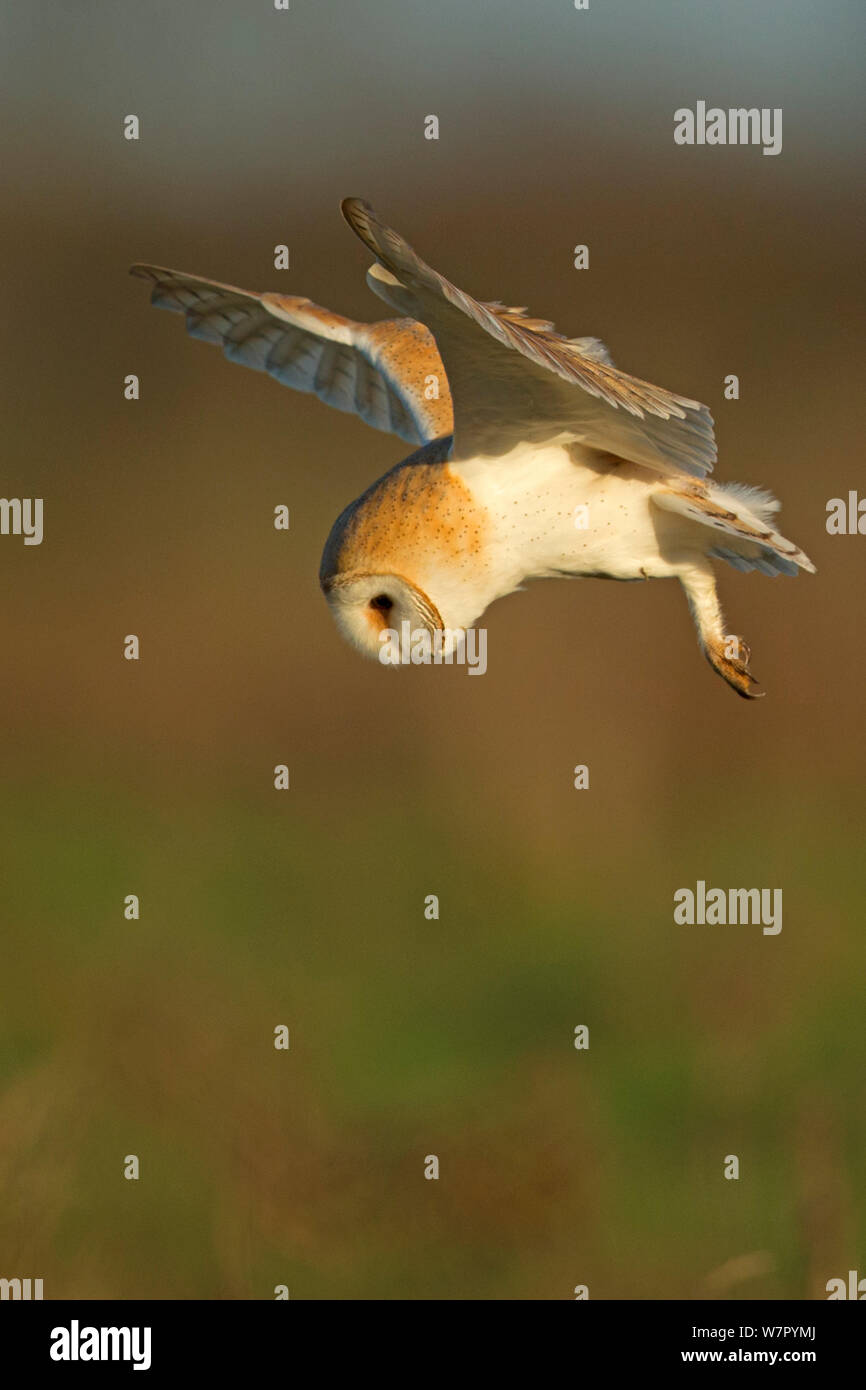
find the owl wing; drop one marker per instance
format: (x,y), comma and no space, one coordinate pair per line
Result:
(380,371)
(514,378)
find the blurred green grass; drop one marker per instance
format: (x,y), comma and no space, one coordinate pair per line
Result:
(411,1037)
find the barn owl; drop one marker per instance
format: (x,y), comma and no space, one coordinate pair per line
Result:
(536,458)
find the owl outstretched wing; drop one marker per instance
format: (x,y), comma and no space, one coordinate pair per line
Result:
(515,379)
(389,373)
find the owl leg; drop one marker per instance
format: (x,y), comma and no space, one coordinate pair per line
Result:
(726,654)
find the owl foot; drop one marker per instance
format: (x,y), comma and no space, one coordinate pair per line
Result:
(730,657)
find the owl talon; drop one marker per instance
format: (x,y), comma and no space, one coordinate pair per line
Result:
(730,657)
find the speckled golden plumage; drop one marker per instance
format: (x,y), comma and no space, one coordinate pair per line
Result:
(419,515)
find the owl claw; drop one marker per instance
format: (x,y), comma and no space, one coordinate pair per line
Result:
(730,657)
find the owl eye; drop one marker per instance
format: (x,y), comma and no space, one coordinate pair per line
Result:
(382,603)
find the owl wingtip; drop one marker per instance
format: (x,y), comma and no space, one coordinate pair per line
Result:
(349,207)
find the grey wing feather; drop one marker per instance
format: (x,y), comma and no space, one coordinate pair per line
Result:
(376,370)
(513,377)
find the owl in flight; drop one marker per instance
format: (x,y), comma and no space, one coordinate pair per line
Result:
(536,457)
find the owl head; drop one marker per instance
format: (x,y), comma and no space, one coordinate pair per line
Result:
(395,557)
(367,606)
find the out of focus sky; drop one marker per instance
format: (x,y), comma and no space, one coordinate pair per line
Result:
(556,128)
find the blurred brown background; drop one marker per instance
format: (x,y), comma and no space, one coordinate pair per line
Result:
(411,1037)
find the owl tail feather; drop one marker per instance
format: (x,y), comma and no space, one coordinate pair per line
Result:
(743,514)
